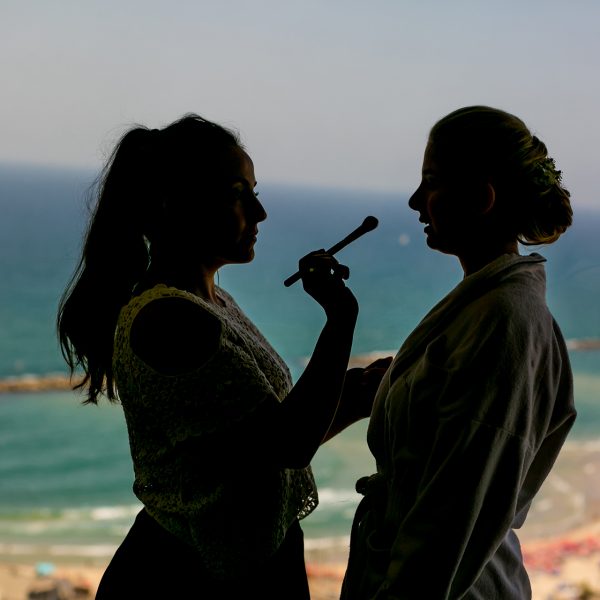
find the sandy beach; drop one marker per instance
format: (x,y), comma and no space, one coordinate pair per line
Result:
(565,567)
(561,567)
(561,545)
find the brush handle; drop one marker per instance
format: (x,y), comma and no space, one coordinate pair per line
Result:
(367,225)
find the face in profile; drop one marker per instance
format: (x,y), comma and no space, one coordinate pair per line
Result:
(445,201)
(224,226)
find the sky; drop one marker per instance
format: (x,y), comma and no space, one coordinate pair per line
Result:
(335,93)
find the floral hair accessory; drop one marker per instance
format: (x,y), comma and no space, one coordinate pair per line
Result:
(545,174)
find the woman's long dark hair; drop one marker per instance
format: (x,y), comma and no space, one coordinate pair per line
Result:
(147,170)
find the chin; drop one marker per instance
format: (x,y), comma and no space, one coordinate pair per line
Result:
(242,258)
(238,256)
(249,255)
(440,246)
(432,243)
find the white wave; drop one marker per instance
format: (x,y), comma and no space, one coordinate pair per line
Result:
(581,446)
(331,496)
(326,543)
(108,518)
(80,550)
(101,513)
(63,550)
(18,549)
(111,513)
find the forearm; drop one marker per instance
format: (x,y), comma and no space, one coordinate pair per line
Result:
(358,395)
(310,407)
(343,417)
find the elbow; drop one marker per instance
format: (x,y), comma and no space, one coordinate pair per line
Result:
(296,459)
(298,462)
(292,454)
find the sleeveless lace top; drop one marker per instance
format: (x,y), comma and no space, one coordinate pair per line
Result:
(234,512)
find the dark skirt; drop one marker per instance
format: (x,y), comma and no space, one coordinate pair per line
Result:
(153,563)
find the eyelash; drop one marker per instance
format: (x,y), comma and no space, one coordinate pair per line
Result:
(242,194)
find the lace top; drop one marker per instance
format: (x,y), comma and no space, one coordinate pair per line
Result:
(233,510)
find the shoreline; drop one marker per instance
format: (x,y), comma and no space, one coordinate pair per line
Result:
(52,382)
(60,381)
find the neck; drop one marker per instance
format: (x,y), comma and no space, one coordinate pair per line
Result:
(480,255)
(198,279)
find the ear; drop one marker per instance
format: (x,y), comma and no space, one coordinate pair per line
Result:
(487,198)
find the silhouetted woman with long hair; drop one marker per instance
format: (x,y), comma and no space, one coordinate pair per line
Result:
(220,440)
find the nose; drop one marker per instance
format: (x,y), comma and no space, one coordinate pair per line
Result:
(260,214)
(414,200)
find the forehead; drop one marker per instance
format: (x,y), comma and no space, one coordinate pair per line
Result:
(450,161)
(430,159)
(240,165)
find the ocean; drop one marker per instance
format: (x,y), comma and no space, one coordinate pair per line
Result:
(65,470)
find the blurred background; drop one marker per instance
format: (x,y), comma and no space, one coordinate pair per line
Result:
(334,101)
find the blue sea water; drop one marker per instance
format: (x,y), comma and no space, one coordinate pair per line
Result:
(65,471)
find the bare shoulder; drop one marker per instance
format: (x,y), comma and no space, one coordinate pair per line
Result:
(175,335)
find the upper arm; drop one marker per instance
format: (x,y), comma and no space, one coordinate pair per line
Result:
(174,335)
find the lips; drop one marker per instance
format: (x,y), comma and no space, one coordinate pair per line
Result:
(427,222)
(251,237)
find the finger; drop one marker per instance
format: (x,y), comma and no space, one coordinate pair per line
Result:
(318,259)
(320,271)
(341,271)
(372,374)
(311,255)
(355,371)
(323,265)
(381,363)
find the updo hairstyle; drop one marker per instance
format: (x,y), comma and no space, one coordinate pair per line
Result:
(483,142)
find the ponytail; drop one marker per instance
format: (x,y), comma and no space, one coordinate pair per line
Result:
(114,258)
(147,170)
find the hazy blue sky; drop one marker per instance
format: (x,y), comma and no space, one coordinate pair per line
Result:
(333,92)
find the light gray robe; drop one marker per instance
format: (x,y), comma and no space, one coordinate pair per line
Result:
(466,426)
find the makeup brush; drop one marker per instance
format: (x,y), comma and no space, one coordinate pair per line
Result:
(367,225)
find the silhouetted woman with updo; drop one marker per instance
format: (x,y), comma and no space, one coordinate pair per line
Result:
(477,403)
